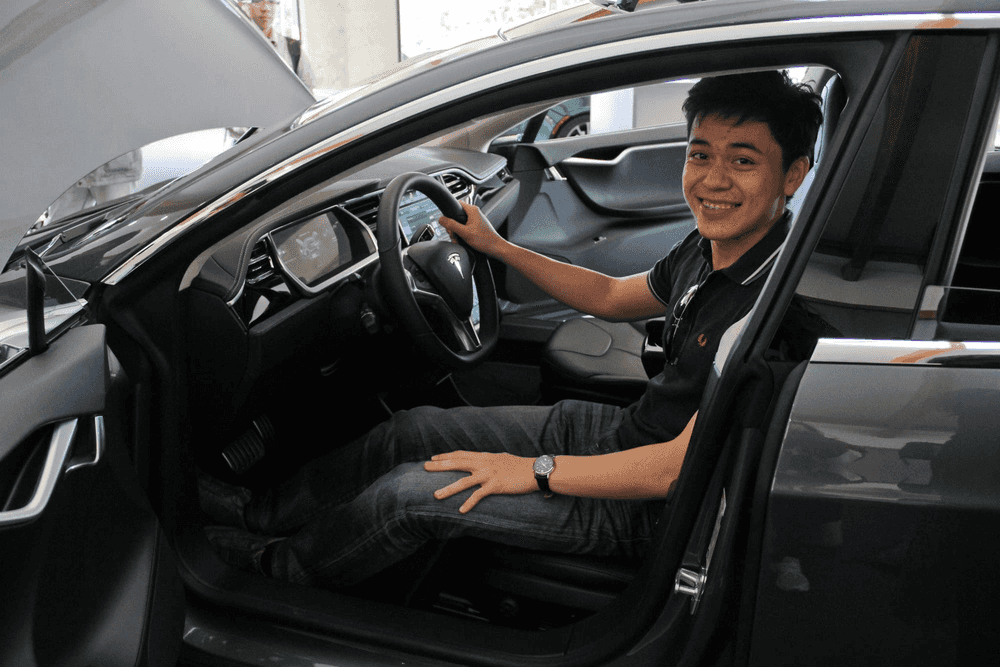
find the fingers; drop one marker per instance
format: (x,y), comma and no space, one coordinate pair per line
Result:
(494,473)
(474,217)
(474,499)
(458,455)
(456,487)
(477,230)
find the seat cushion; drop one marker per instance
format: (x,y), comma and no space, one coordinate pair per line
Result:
(588,357)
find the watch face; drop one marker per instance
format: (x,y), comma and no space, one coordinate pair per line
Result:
(544,465)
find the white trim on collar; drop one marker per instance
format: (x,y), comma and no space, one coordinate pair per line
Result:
(765,265)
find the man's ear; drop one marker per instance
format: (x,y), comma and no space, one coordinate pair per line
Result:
(796,174)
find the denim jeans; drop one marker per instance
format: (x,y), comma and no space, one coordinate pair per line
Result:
(369,504)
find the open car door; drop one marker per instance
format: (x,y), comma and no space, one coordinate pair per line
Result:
(85,568)
(610,201)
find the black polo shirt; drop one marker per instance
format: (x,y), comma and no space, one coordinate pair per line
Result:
(721,299)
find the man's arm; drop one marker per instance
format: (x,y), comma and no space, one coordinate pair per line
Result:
(607,297)
(643,472)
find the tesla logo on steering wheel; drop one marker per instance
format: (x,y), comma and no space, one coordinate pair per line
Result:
(456,259)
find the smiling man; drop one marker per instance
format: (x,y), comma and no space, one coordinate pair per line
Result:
(575,477)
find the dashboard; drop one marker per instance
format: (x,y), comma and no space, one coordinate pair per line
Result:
(291,289)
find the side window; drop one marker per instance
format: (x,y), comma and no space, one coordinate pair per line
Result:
(887,232)
(614,111)
(642,106)
(968,309)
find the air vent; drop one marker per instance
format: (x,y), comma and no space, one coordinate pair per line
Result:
(365,209)
(456,185)
(261,265)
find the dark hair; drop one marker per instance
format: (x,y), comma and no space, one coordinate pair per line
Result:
(791,111)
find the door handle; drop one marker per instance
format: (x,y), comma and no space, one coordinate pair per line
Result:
(59,446)
(615,161)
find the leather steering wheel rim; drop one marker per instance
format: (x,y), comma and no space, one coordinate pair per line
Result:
(396,284)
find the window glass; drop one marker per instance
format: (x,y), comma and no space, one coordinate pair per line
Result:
(137,170)
(650,105)
(867,273)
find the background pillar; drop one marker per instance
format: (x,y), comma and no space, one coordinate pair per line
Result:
(348,41)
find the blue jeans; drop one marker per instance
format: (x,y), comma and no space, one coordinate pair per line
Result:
(367,505)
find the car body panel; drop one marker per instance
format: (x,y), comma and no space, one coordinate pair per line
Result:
(886,498)
(72,99)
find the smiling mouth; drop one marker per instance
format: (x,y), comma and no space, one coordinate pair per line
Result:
(719,205)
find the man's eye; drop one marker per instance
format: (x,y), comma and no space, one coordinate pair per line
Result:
(697,156)
(744,161)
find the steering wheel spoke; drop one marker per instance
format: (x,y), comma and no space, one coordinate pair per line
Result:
(430,286)
(463,331)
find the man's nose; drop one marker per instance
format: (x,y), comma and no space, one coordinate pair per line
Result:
(718,175)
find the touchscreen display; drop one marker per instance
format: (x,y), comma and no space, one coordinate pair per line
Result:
(416,210)
(313,250)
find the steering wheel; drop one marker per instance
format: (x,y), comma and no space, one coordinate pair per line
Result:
(436,276)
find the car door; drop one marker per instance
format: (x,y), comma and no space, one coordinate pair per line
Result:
(87,574)
(610,200)
(878,471)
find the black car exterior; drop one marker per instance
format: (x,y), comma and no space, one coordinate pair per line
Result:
(839,510)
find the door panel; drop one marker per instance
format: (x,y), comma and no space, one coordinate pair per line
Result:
(885,486)
(83,561)
(638,181)
(609,202)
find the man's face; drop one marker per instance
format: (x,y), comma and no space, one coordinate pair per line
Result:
(734,183)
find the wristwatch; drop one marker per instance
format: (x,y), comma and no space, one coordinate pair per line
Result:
(543,467)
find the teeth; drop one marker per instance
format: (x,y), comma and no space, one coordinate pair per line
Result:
(718,206)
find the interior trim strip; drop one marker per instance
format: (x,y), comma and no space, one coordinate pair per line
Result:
(99,442)
(596,162)
(731,33)
(59,445)
(921,352)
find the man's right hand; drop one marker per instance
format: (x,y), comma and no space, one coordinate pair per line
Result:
(616,299)
(477,231)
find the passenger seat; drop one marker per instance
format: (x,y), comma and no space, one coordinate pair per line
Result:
(594,360)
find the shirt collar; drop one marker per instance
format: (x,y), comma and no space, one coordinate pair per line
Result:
(756,261)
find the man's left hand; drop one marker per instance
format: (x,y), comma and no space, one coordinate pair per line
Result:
(494,473)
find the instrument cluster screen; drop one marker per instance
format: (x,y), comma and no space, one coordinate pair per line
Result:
(313,250)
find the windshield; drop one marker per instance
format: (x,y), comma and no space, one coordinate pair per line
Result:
(139,171)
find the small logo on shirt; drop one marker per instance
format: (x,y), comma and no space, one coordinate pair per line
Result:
(702,340)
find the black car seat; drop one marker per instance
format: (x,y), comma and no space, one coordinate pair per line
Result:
(590,359)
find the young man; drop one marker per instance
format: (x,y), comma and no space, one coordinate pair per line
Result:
(575,477)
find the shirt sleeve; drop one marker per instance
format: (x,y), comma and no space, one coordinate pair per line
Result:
(658,280)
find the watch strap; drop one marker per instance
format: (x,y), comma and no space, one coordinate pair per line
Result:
(543,482)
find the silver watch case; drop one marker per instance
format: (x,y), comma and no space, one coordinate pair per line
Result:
(544,465)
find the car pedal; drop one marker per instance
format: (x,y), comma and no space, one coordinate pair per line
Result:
(244,452)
